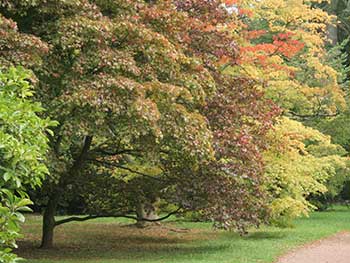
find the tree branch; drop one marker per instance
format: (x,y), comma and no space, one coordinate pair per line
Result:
(316,115)
(89,217)
(126,168)
(125,151)
(78,163)
(84,152)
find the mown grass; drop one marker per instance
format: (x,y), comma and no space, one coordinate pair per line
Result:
(114,241)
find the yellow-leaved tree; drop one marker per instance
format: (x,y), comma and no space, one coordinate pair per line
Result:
(299,163)
(283,46)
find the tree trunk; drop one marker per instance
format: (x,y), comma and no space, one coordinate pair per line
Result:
(332,33)
(49,223)
(146,210)
(332,28)
(141,213)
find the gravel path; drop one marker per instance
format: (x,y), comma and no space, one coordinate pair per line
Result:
(335,249)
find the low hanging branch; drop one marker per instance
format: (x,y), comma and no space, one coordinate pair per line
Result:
(110,164)
(89,217)
(316,115)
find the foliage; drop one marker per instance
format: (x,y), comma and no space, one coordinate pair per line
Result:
(301,162)
(23,143)
(240,117)
(283,47)
(337,128)
(18,48)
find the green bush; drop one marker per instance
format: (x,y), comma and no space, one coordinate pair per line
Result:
(23,143)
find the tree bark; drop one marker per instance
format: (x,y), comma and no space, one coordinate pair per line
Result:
(332,28)
(49,223)
(332,32)
(146,210)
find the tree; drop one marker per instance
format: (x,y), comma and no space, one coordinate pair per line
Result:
(284,47)
(301,163)
(131,83)
(340,28)
(23,144)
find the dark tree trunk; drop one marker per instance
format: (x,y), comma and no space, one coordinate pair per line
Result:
(49,223)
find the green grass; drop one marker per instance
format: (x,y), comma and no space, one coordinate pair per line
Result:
(109,240)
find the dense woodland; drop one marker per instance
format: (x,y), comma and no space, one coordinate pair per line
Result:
(232,111)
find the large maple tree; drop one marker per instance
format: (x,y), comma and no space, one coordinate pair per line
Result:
(138,90)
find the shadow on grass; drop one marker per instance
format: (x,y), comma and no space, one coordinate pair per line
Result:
(30,250)
(104,242)
(266,235)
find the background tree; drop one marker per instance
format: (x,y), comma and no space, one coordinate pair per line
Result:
(287,54)
(284,47)
(301,163)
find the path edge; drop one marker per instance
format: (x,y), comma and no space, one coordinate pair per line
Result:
(310,244)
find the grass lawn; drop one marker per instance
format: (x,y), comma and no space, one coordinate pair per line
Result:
(109,240)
